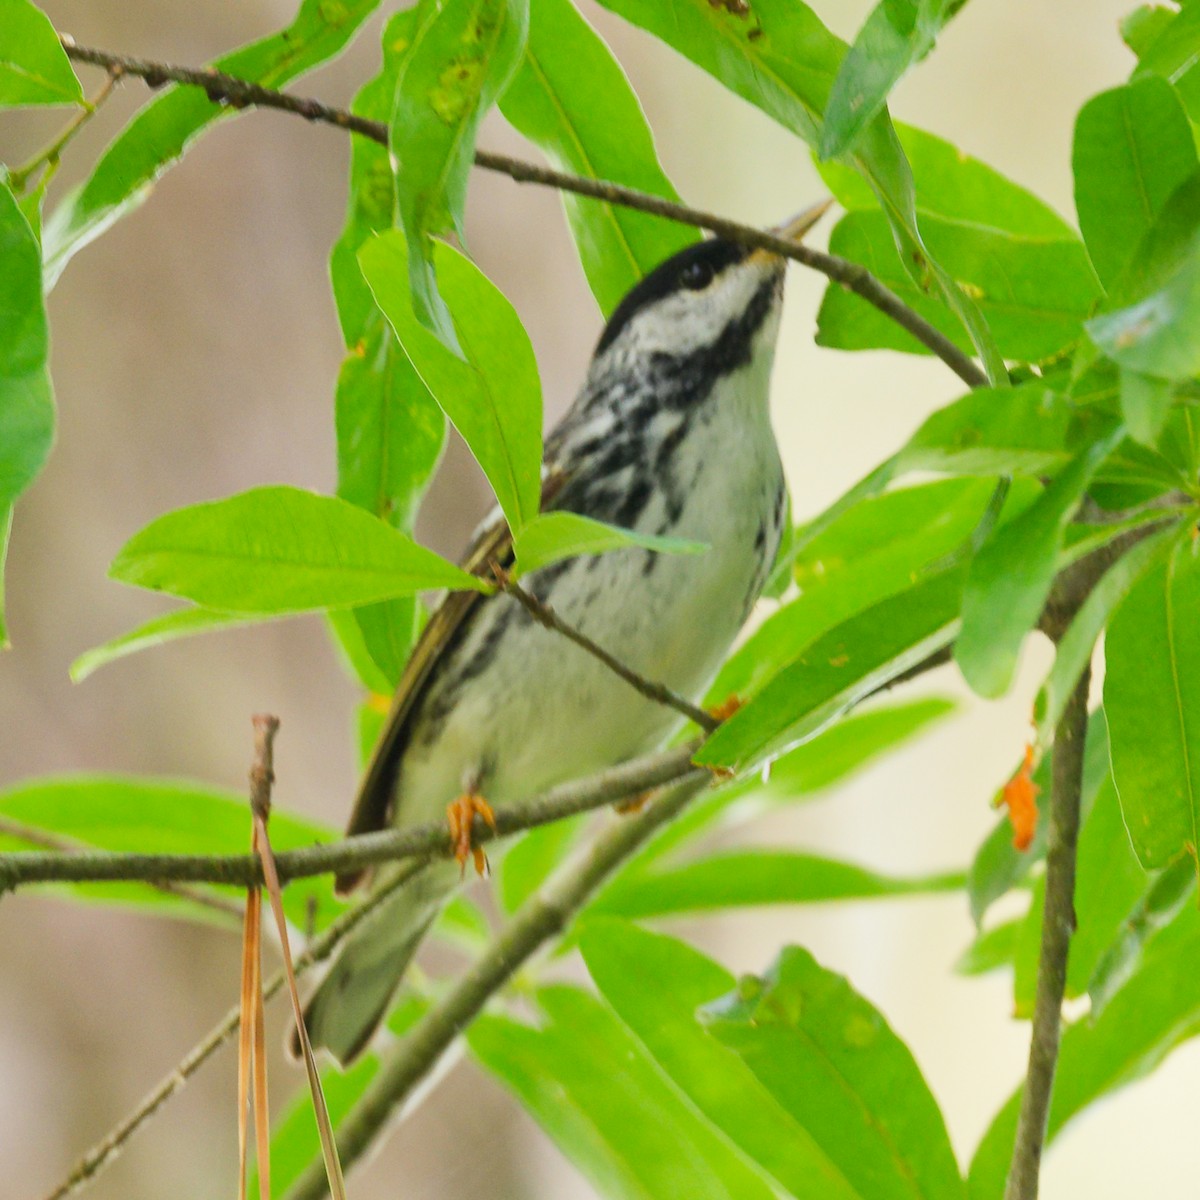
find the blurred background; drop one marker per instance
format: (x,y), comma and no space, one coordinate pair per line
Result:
(195,351)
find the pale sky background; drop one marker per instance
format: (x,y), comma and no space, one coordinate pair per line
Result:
(195,349)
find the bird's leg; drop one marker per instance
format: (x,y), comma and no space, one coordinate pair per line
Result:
(461,814)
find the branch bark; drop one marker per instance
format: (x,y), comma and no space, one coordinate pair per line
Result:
(1058,925)
(232,92)
(540,918)
(21,868)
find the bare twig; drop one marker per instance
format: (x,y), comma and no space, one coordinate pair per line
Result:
(1058,924)
(101,1154)
(546,616)
(232,92)
(21,868)
(540,918)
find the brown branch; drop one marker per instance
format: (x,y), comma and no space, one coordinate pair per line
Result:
(101,1154)
(22,868)
(547,617)
(235,93)
(543,916)
(1058,925)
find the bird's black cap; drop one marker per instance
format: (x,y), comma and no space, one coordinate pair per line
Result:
(715,253)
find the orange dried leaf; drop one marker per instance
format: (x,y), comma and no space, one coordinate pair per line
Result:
(1020,798)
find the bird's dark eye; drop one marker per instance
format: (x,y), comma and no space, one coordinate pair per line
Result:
(696,275)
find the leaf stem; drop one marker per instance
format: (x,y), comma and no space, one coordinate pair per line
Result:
(232,92)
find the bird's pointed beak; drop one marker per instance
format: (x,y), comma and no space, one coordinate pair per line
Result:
(792,230)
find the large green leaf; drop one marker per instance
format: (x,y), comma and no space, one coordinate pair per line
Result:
(896,35)
(26,399)
(1034,292)
(163,129)
(740,878)
(1011,576)
(390,431)
(1174,54)
(607,1106)
(655,985)
(459,63)
(554,536)
(1152,656)
(839,668)
(571,98)
(1152,1014)
(33,66)
(777,55)
(1108,884)
(829,1059)
(1133,148)
(875,550)
(161,816)
(280,550)
(494,397)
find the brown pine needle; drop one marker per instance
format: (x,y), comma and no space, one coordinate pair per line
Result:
(261,777)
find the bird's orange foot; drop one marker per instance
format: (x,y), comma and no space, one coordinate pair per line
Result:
(462,814)
(633,804)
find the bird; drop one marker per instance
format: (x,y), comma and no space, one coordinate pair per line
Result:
(670,434)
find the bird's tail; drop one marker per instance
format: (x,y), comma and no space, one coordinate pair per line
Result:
(354,996)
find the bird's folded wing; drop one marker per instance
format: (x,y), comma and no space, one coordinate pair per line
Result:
(376,793)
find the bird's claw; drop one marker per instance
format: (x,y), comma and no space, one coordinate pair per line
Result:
(461,814)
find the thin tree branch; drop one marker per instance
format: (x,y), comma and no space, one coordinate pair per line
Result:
(1058,925)
(544,915)
(547,617)
(232,92)
(104,1151)
(63,845)
(21,868)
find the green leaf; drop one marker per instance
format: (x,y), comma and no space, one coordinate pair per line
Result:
(1141,28)
(1034,292)
(874,550)
(26,399)
(655,985)
(459,64)
(999,866)
(896,35)
(605,1103)
(1133,147)
(494,398)
(157,631)
(955,187)
(1159,335)
(1011,576)
(554,536)
(348,627)
(1108,884)
(162,816)
(34,68)
(276,550)
(839,668)
(992,948)
(743,878)
(1025,430)
(1173,55)
(528,864)
(1152,1014)
(1075,648)
(1152,656)
(1145,405)
(161,131)
(571,98)
(830,1060)
(811,768)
